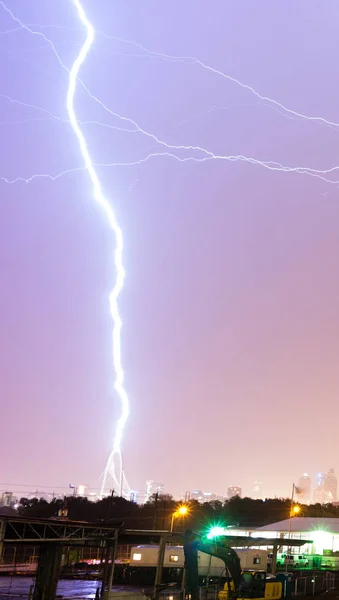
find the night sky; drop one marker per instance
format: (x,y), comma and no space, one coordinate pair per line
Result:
(231,324)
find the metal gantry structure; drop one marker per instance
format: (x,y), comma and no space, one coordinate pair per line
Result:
(51,535)
(18,530)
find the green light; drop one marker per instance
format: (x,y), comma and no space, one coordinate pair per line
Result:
(215,532)
(322,540)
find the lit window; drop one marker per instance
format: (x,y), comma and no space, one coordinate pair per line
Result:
(173,558)
(136,556)
(256,560)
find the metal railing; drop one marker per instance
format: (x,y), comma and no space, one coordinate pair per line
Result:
(314,584)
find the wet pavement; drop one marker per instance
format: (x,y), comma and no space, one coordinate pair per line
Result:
(18,587)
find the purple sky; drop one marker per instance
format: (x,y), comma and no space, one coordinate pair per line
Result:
(231,323)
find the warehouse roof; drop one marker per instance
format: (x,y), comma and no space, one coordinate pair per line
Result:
(303,524)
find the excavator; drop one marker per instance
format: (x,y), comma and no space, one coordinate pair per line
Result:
(239,585)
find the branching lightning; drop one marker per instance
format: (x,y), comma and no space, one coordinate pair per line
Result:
(118,476)
(189,60)
(178,152)
(111,218)
(205,154)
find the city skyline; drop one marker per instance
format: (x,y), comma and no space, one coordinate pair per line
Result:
(230,324)
(321,488)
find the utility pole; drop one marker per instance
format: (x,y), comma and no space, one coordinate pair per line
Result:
(164,514)
(160,565)
(291,512)
(110,505)
(290,527)
(156,497)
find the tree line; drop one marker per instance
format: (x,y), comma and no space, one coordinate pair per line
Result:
(157,512)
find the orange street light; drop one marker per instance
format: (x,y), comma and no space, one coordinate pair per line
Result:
(180,512)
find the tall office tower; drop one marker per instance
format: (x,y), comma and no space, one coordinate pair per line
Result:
(304,489)
(319,492)
(257,490)
(233,490)
(330,487)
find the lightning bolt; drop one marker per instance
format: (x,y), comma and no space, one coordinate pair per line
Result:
(208,154)
(180,153)
(118,253)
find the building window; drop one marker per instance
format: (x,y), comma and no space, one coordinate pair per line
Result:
(136,556)
(256,560)
(173,558)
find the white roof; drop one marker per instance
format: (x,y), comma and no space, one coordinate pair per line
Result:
(302,524)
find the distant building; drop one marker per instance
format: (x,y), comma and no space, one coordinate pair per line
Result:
(330,487)
(233,490)
(7,499)
(319,492)
(210,496)
(154,487)
(257,490)
(81,489)
(133,497)
(203,496)
(304,489)
(197,495)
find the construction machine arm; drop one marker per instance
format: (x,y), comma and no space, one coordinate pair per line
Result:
(218,548)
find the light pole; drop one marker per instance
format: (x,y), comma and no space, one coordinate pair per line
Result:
(181,512)
(294,510)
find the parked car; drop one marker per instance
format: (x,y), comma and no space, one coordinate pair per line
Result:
(292,560)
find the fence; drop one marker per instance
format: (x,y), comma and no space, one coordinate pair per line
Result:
(314,584)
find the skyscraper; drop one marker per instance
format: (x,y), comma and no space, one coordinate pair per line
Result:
(330,487)
(233,490)
(319,492)
(304,489)
(257,490)
(154,487)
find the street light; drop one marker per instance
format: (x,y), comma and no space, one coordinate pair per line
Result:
(181,512)
(294,510)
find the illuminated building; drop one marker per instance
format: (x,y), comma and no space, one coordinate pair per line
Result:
(210,496)
(304,489)
(202,496)
(133,496)
(257,490)
(323,534)
(233,490)
(81,490)
(197,495)
(319,492)
(330,487)
(6,499)
(154,487)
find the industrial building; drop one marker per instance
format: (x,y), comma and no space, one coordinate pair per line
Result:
(323,533)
